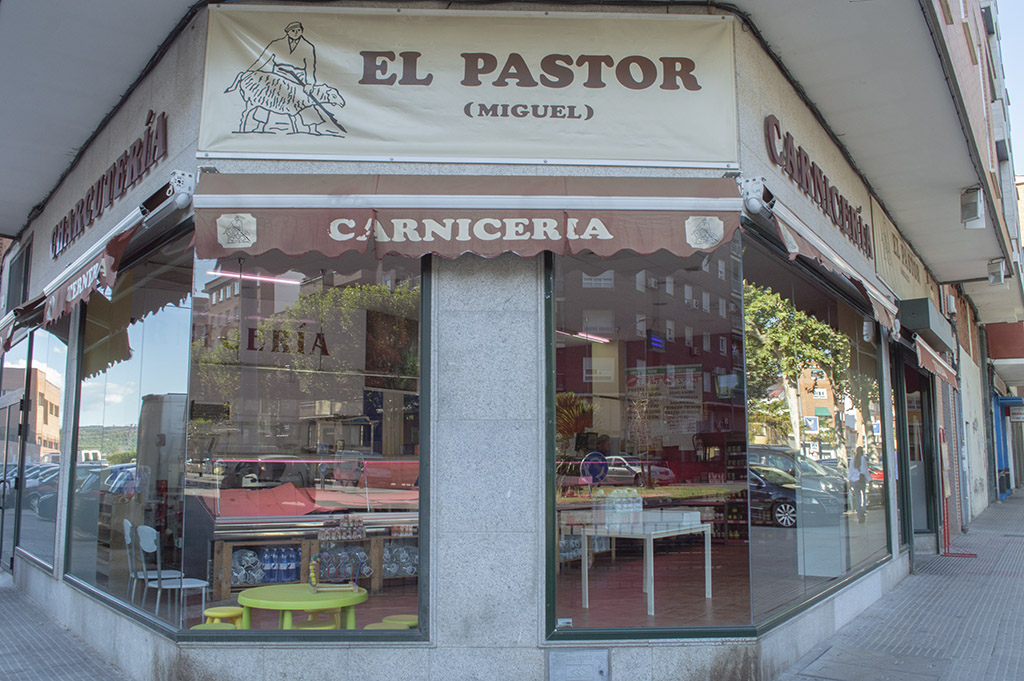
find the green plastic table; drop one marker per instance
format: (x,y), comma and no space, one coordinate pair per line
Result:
(288,597)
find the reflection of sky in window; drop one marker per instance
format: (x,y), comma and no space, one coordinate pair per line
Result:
(158,365)
(52,375)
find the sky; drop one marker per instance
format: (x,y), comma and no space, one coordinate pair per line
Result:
(1011,33)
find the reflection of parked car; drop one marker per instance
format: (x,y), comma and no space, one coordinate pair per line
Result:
(347,469)
(384,473)
(811,474)
(775,495)
(46,483)
(876,486)
(629,470)
(85,499)
(269,471)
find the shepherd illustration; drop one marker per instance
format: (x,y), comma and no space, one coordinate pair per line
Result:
(282,81)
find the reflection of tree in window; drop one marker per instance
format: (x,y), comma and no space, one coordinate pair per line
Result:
(782,342)
(313,358)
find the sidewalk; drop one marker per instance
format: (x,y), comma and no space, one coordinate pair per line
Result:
(34,647)
(956,619)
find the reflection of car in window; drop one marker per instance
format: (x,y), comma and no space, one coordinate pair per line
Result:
(807,470)
(629,470)
(777,498)
(265,472)
(347,468)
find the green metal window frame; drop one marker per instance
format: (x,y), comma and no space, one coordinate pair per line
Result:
(753,630)
(265,636)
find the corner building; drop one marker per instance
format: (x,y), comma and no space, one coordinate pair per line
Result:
(452,343)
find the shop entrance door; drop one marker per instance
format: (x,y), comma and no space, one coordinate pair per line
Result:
(10,419)
(920,450)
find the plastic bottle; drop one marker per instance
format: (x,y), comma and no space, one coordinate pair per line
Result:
(293,565)
(275,565)
(264,557)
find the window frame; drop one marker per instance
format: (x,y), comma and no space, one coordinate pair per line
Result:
(260,637)
(553,633)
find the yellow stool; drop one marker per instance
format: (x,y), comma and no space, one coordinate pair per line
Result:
(314,622)
(386,625)
(411,621)
(214,625)
(231,613)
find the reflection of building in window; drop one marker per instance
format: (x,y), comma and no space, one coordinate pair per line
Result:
(46,430)
(603,280)
(314,365)
(599,321)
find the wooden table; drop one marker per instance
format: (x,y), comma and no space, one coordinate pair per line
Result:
(648,529)
(288,597)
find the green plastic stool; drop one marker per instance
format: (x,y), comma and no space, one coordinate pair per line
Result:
(411,621)
(214,625)
(386,625)
(221,613)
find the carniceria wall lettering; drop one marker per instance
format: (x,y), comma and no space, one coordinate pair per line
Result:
(130,167)
(796,163)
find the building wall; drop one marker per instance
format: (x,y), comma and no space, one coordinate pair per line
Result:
(172,87)
(762,90)
(487,444)
(974,398)
(963,32)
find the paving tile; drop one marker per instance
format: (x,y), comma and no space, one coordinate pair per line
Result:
(956,618)
(36,648)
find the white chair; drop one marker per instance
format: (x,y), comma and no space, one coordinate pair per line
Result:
(136,565)
(149,544)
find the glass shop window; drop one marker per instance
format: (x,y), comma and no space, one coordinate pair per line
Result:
(815,453)
(649,446)
(127,532)
(43,478)
(304,438)
(15,362)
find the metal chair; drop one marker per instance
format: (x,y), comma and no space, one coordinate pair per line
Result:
(149,545)
(136,565)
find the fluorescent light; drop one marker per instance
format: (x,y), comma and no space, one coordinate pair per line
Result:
(591,337)
(585,336)
(253,277)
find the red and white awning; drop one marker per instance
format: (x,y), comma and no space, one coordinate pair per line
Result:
(450,216)
(931,361)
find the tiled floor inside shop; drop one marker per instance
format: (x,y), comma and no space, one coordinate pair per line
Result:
(779,567)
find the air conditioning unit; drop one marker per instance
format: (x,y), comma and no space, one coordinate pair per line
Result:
(695,351)
(652,283)
(695,304)
(996,273)
(972,208)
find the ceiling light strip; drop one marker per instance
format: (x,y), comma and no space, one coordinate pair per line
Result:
(499,202)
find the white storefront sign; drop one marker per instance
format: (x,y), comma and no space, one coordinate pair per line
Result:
(289,82)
